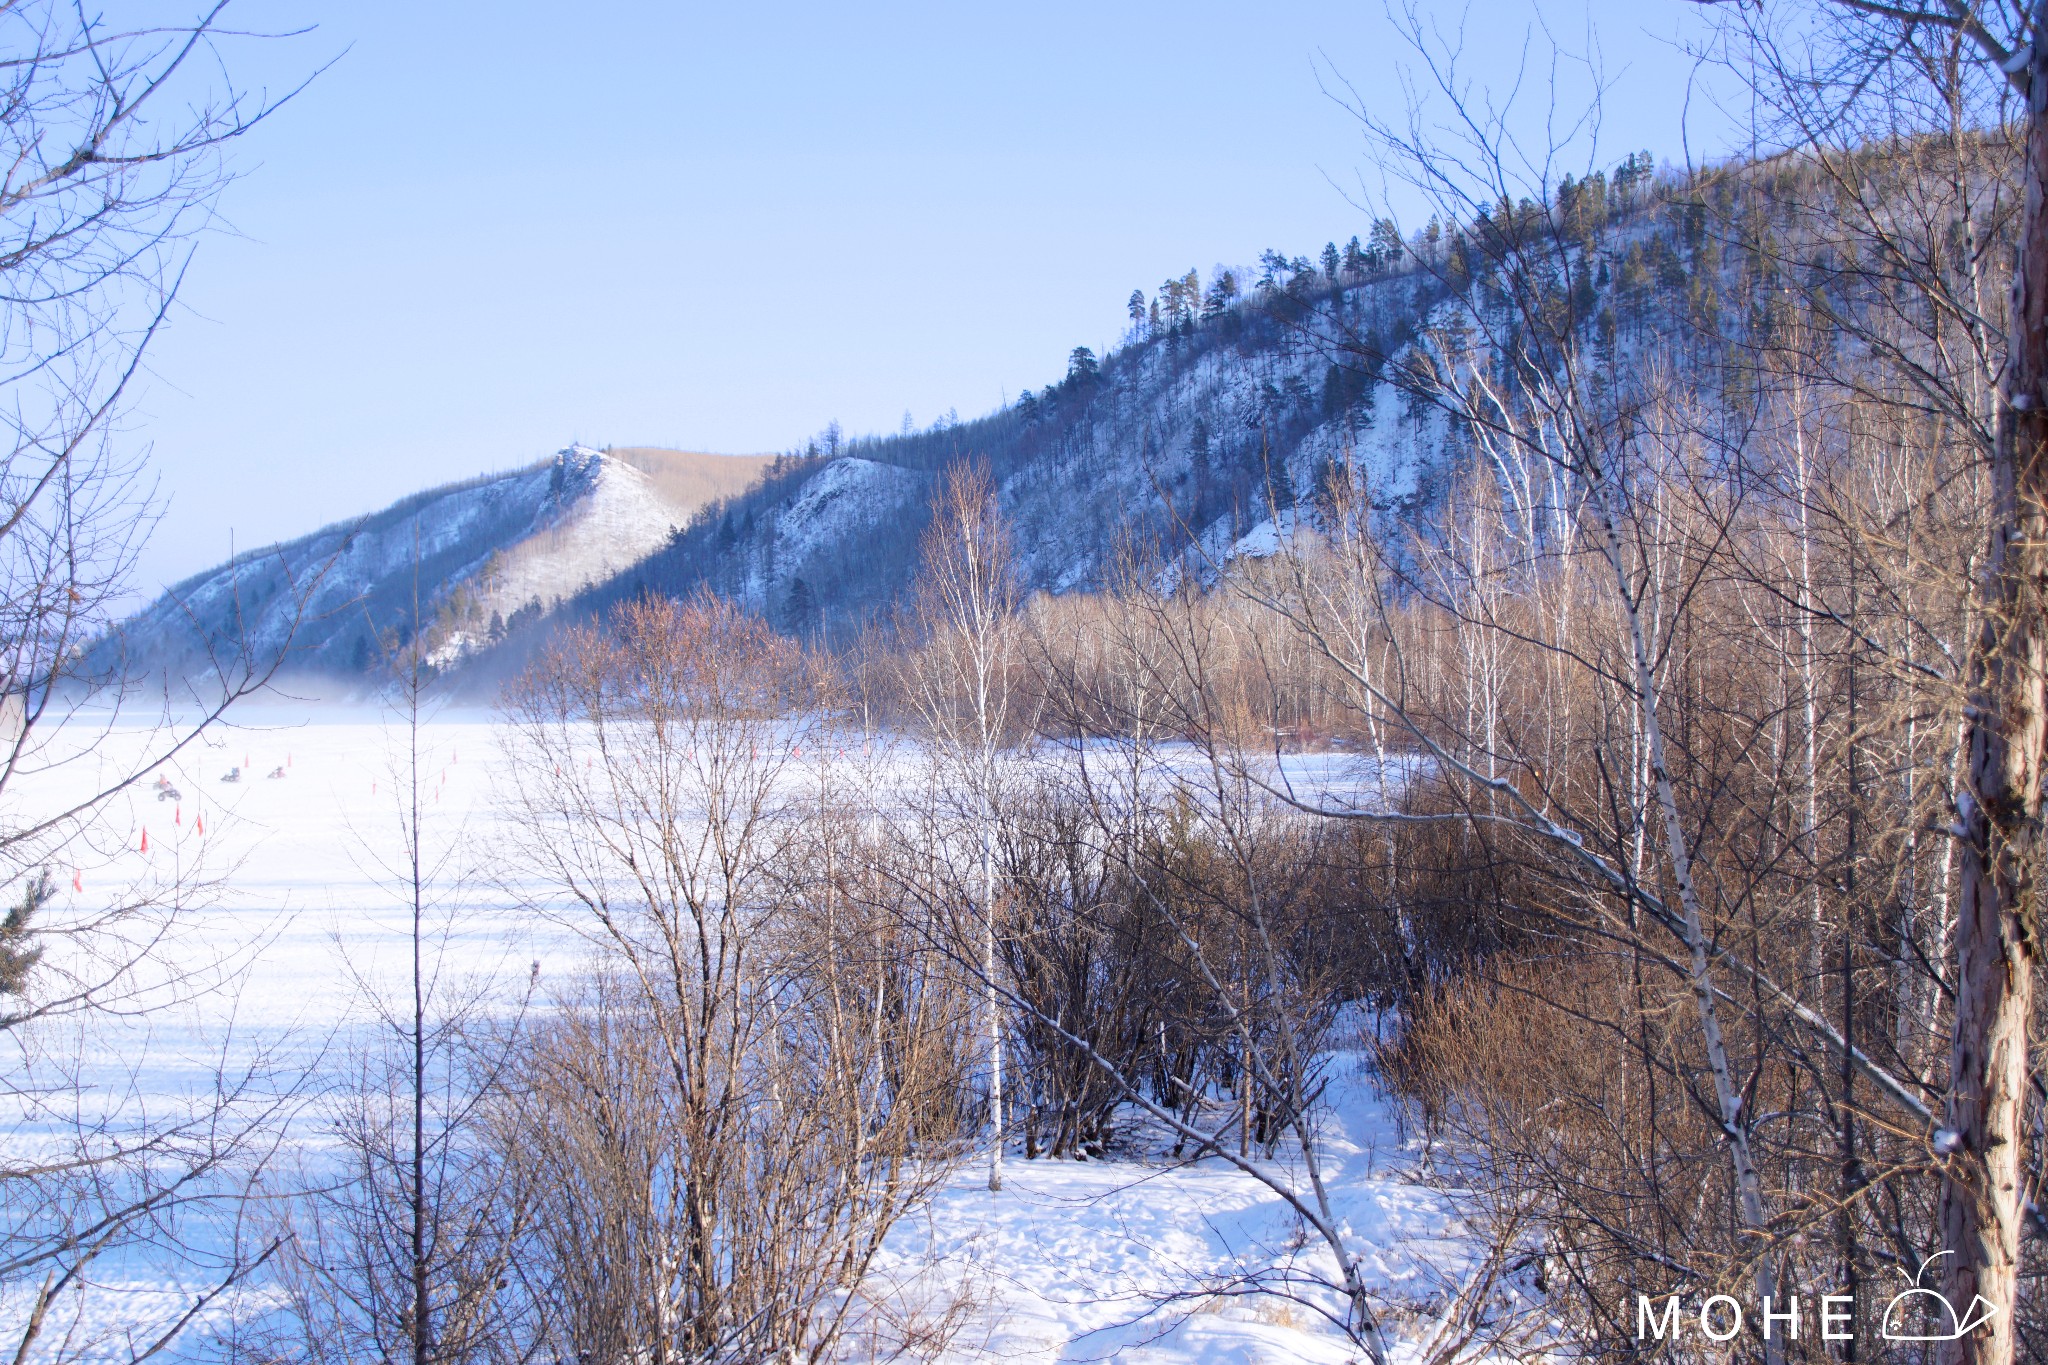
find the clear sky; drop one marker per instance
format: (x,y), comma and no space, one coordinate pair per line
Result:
(490,229)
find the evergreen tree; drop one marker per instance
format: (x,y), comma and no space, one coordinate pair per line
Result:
(1221,291)
(1279,490)
(1670,270)
(1333,261)
(1584,297)
(1632,177)
(1137,307)
(1633,279)
(18,952)
(1354,259)
(802,605)
(1324,487)
(1336,392)
(1183,296)
(1300,277)
(1273,268)
(1081,365)
(1386,242)
(1581,206)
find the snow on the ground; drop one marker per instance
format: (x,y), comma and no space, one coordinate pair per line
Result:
(288,885)
(1133,1258)
(844,497)
(1140,1258)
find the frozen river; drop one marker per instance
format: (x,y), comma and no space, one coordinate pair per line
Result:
(297,907)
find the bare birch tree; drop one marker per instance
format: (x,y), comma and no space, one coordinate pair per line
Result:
(966,600)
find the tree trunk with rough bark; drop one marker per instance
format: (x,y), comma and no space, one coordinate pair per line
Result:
(1998,927)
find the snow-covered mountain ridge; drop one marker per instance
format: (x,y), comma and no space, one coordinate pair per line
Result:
(472,562)
(1210,434)
(1182,440)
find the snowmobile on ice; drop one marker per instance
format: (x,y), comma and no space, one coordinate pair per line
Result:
(232,775)
(165,791)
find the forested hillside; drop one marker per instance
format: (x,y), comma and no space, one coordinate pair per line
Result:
(1230,400)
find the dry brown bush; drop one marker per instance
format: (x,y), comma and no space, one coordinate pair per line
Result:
(730,1111)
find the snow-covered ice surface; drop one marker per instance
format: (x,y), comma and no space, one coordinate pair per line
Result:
(284,873)
(1133,1258)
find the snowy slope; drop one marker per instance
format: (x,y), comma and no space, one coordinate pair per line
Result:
(832,514)
(618,517)
(476,554)
(1179,444)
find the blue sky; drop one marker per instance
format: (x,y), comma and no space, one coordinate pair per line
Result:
(490,229)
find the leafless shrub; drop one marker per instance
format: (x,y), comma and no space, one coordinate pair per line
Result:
(713,1115)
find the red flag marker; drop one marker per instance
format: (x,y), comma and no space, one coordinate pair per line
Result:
(177,815)
(199,824)
(145,838)
(77,880)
